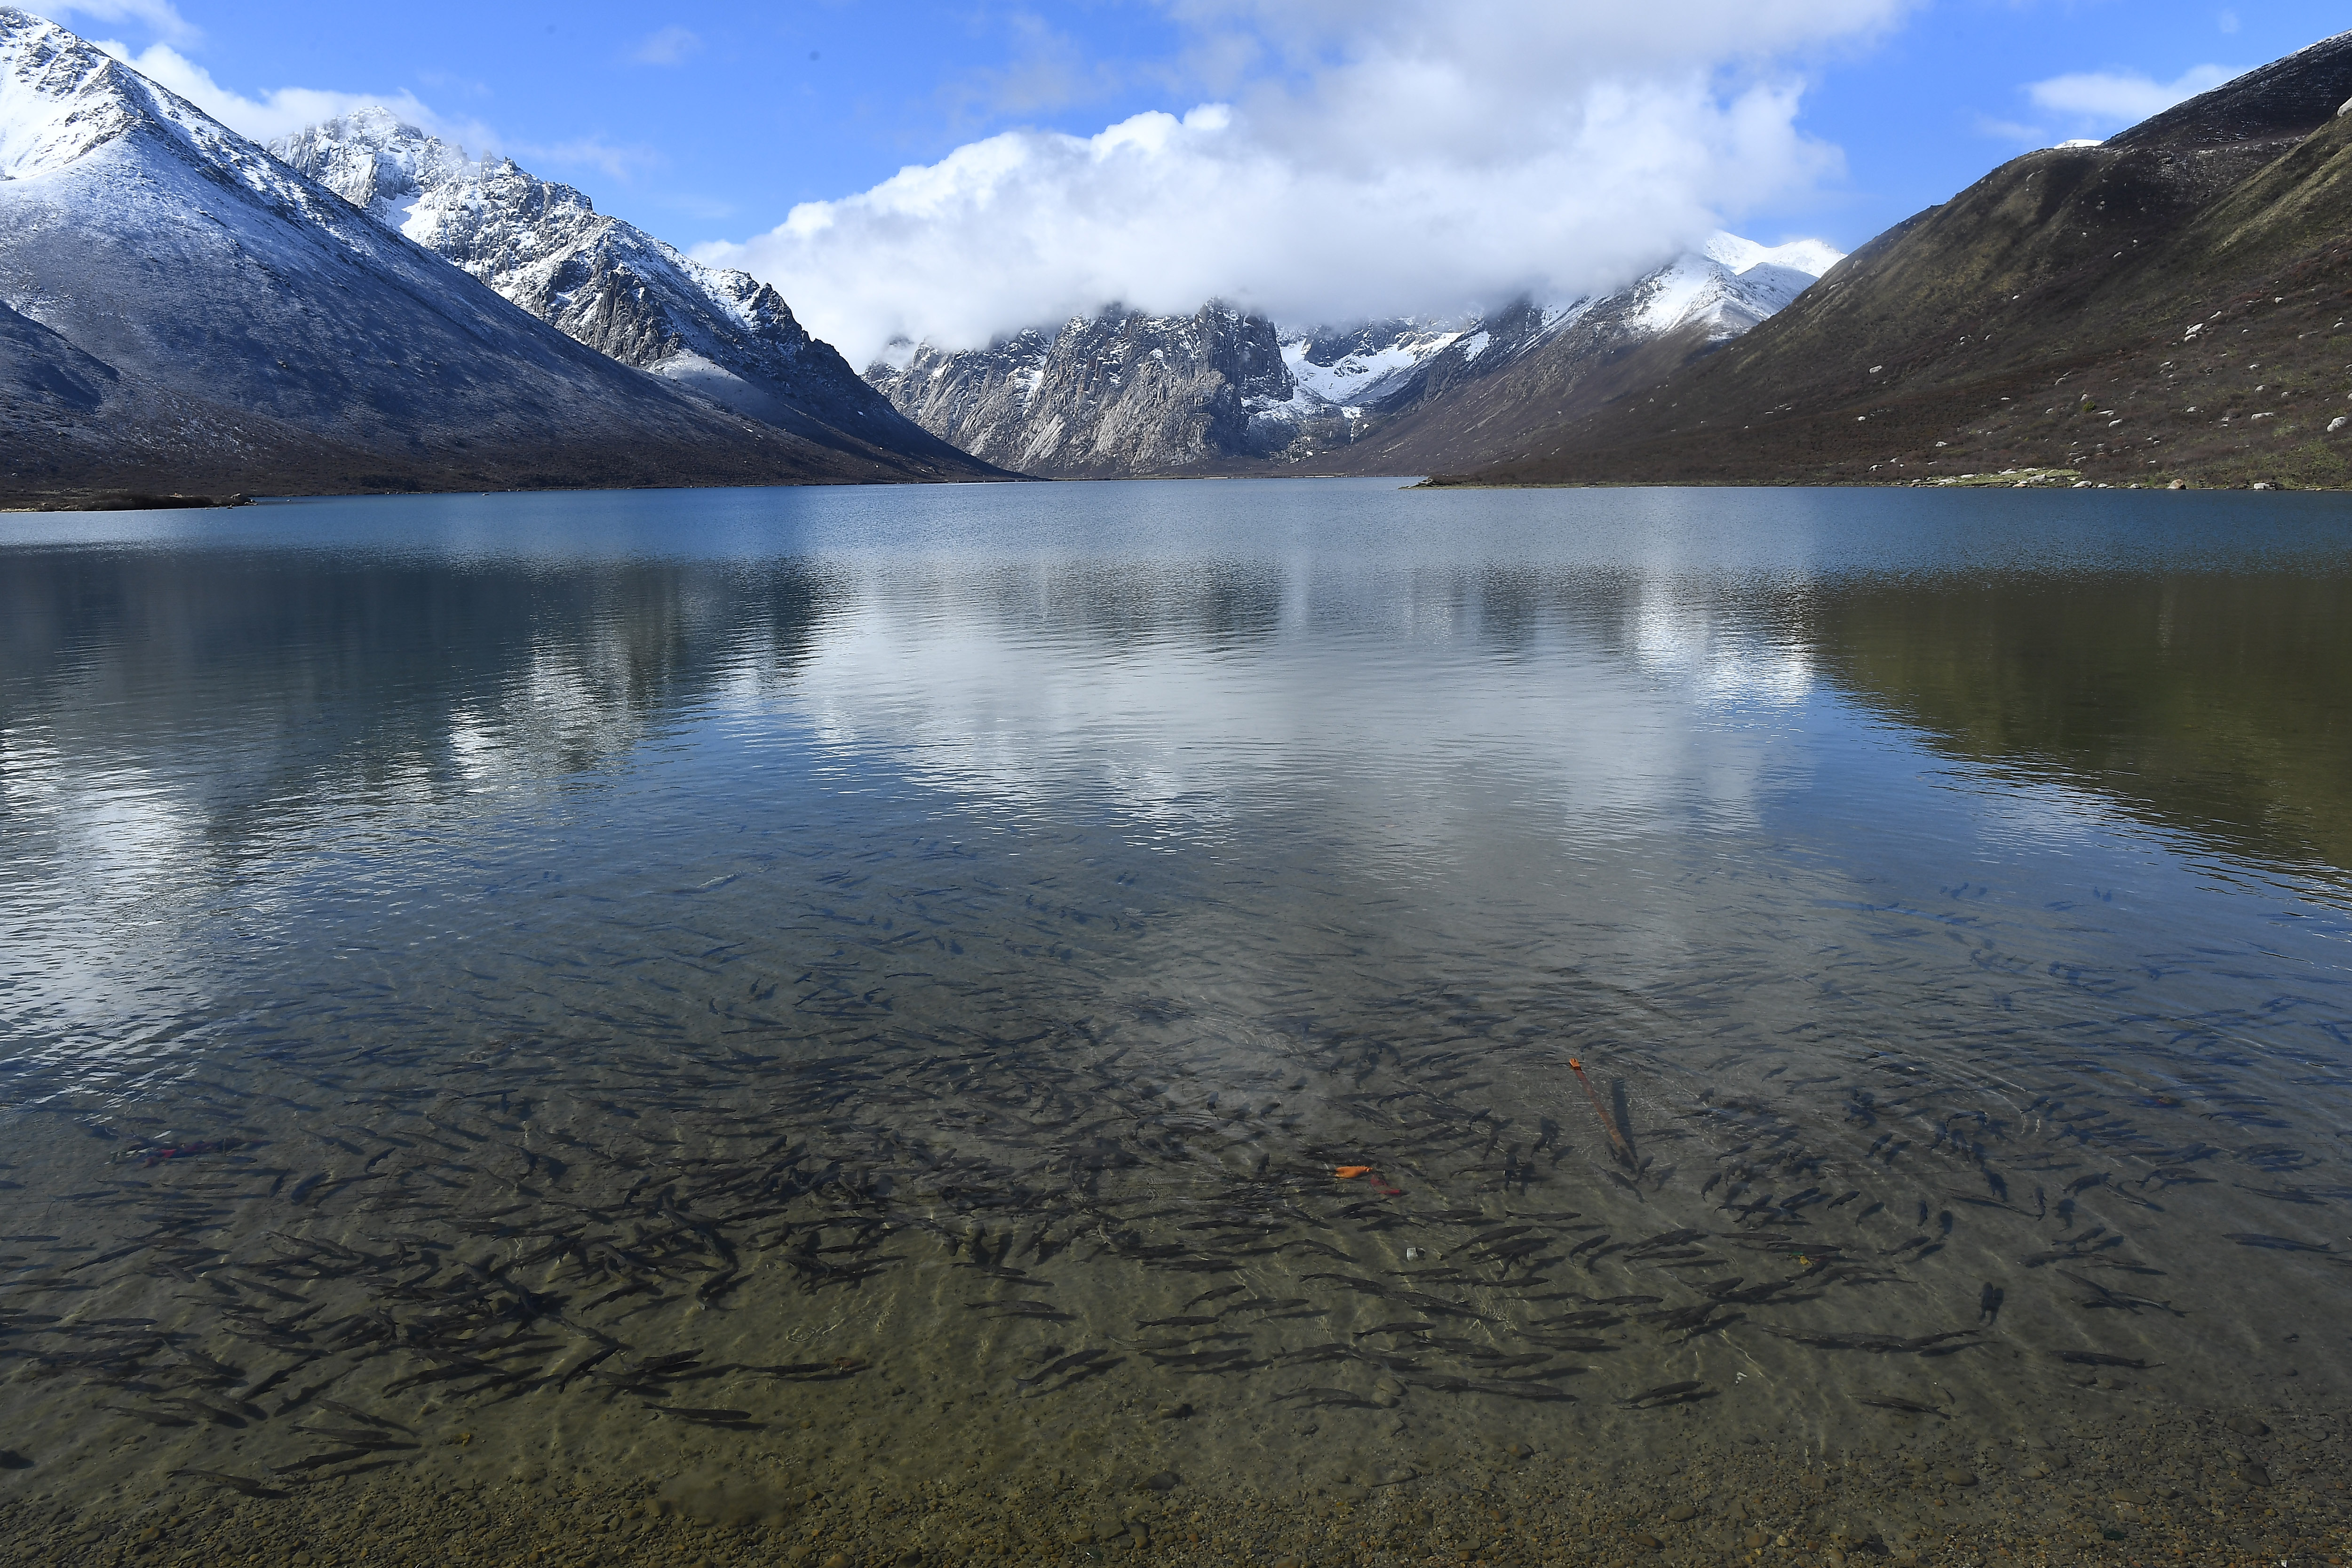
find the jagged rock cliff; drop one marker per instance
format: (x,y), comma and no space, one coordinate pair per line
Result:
(1115,395)
(608,284)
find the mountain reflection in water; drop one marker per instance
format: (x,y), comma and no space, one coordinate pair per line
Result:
(705,990)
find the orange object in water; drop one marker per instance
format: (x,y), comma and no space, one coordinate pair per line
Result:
(1349,1173)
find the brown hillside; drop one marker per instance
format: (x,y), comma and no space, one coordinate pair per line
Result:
(2167,306)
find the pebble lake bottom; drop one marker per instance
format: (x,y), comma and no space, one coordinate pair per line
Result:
(1220,1023)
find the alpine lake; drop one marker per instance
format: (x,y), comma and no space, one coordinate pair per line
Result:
(1240,1023)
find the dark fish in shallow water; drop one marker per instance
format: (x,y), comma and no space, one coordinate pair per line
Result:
(1074,1361)
(1219,1294)
(319,1461)
(1988,1302)
(2103,1297)
(155,1417)
(1021,1309)
(2097,1358)
(376,1421)
(1542,1393)
(1319,1398)
(357,1439)
(234,1483)
(1667,1394)
(705,1417)
(2277,1243)
(1907,1406)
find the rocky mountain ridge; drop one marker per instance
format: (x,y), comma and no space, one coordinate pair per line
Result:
(1223,391)
(608,284)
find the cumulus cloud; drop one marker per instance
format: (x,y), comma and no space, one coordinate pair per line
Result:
(2117,99)
(1362,157)
(671,46)
(285,111)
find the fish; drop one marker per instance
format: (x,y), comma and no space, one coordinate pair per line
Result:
(2105,1297)
(251,1488)
(362,1416)
(1906,1405)
(319,1461)
(155,1417)
(369,1440)
(1508,1389)
(1046,1310)
(1075,1361)
(2099,1358)
(1318,1398)
(1879,1344)
(2275,1243)
(1440,1306)
(705,1417)
(1989,1301)
(1667,1394)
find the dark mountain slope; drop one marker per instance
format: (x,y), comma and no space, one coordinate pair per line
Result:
(242,329)
(2167,305)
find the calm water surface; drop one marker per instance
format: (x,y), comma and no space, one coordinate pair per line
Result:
(1045,997)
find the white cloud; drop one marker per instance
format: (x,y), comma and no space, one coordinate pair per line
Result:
(159,15)
(2117,99)
(669,46)
(288,109)
(1368,157)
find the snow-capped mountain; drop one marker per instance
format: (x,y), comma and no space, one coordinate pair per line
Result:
(1357,367)
(184,312)
(1715,293)
(606,283)
(1123,393)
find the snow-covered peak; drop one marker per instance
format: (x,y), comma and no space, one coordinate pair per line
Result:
(1354,366)
(376,162)
(68,106)
(1811,256)
(60,98)
(1730,286)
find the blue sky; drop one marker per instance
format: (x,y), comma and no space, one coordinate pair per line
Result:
(709,123)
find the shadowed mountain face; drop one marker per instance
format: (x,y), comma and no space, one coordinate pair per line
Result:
(188,313)
(2168,305)
(614,287)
